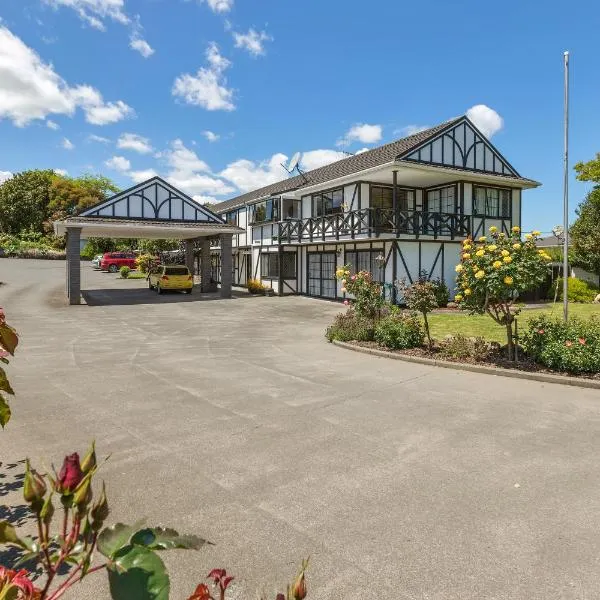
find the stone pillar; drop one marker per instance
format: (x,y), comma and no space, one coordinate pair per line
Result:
(189,256)
(205,281)
(226,265)
(73,266)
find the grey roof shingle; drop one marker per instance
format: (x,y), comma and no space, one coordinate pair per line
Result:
(345,166)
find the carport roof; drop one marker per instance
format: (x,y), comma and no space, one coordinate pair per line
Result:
(139,228)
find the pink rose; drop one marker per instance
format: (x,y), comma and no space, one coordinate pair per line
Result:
(346,302)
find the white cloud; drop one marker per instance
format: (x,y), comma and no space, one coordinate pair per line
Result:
(62,172)
(205,199)
(139,176)
(142,46)
(208,87)
(220,6)
(52,125)
(253,41)
(198,183)
(137,143)
(4,175)
(95,12)
(410,130)
(181,158)
(98,138)
(319,158)
(248,175)
(362,132)
(486,119)
(136,40)
(211,136)
(118,163)
(67,144)
(30,89)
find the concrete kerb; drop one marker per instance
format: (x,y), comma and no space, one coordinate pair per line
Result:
(514,373)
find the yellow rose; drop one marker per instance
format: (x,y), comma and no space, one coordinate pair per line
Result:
(501,236)
(466,242)
(467,247)
(528,236)
(468,292)
(507,259)
(497,264)
(492,247)
(536,233)
(480,253)
(466,256)
(493,229)
(508,280)
(475,268)
(482,238)
(458,268)
(516,229)
(505,253)
(547,257)
(458,298)
(517,246)
(480,274)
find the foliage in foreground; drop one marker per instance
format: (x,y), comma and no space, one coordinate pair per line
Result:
(124,271)
(494,271)
(400,330)
(573,346)
(8,344)
(578,290)
(421,297)
(461,347)
(255,286)
(368,298)
(350,326)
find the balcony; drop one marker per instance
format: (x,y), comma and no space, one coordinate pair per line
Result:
(373,222)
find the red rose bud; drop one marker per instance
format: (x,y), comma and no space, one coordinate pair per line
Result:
(70,475)
(100,510)
(34,486)
(89,460)
(280,597)
(299,588)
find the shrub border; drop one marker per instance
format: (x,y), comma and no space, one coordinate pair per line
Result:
(514,373)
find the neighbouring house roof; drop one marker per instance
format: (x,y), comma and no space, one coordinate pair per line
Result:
(549,241)
(341,168)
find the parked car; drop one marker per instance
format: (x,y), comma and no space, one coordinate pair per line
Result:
(171,277)
(113,261)
(96,261)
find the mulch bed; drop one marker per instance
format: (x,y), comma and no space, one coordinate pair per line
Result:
(495,358)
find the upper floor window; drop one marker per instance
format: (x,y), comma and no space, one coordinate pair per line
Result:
(491,202)
(328,203)
(442,200)
(232,217)
(290,208)
(383,197)
(266,211)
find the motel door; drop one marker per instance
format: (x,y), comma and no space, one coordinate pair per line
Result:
(321,274)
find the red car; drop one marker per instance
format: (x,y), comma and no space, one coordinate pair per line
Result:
(113,261)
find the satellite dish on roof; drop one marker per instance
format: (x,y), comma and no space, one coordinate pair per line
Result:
(294,162)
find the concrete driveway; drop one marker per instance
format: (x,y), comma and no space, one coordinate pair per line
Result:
(235,420)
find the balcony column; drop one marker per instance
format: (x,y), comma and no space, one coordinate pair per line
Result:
(395,200)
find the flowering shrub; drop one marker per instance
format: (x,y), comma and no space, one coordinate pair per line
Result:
(8,344)
(130,556)
(124,271)
(420,296)
(441,291)
(573,346)
(461,347)
(368,297)
(400,330)
(350,326)
(493,272)
(145,262)
(255,286)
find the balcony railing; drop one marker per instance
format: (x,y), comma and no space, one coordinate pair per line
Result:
(375,221)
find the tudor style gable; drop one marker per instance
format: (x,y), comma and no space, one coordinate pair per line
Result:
(153,200)
(461,146)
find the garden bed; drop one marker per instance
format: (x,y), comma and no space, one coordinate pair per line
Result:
(526,369)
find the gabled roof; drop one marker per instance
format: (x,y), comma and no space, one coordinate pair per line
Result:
(382,155)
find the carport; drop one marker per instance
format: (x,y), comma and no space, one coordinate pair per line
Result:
(153,209)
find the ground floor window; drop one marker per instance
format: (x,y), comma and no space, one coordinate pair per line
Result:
(270,265)
(366,260)
(491,202)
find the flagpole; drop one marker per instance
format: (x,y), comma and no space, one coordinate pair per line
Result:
(566,194)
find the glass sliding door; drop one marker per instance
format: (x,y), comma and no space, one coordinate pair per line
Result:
(321,274)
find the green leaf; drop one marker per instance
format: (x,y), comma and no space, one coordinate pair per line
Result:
(8,338)
(113,538)
(4,384)
(8,535)
(4,412)
(138,574)
(29,557)
(158,538)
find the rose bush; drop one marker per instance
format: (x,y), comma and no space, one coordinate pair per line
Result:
(9,341)
(368,297)
(494,270)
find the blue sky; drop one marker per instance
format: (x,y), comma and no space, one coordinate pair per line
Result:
(129,88)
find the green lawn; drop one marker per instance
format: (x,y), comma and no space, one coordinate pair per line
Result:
(135,275)
(483,325)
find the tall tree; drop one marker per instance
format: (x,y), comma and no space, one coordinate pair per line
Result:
(24,201)
(590,170)
(585,233)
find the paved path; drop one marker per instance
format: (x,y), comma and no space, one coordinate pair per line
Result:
(236,420)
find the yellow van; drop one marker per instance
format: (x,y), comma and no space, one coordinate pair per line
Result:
(171,277)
